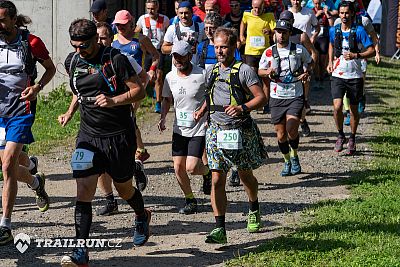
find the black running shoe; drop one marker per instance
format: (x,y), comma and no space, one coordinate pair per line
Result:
(109,209)
(189,208)
(141,230)
(140,176)
(42,199)
(305,129)
(234,179)
(5,236)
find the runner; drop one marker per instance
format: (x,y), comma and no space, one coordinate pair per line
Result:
(232,136)
(176,19)
(100,12)
(154,26)
(345,56)
(185,87)
(19,53)
(287,65)
(105,85)
(198,9)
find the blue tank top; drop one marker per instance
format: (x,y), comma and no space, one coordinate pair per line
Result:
(130,49)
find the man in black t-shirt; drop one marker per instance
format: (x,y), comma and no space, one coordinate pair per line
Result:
(104,84)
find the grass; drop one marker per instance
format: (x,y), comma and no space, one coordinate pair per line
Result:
(363,230)
(47,131)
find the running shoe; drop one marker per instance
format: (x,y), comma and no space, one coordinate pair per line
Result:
(79,257)
(266,109)
(42,199)
(234,179)
(157,108)
(5,236)
(341,140)
(141,231)
(141,178)
(347,119)
(142,155)
(295,168)
(305,129)
(109,209)
(254,221)
(361,105)
(217,236)
(286,169)
(351,147)
(207,181)
(35,161)
(189,208)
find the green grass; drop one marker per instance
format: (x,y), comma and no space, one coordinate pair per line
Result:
(365,229)
(48,132)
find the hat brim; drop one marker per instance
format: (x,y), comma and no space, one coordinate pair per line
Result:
(282,28)
(121,21)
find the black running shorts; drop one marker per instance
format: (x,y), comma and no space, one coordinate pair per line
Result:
(354,89)
(188,146)
(252,61)
(96,155)
(282,107)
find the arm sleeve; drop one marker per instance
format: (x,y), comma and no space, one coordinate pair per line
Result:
(366,22)
(166,91)
(38,48)
(244,19)
(136,67)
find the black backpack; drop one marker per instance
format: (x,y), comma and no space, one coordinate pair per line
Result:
(339,40)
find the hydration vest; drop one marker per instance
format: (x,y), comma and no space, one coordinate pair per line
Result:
(106,60)
(29,62)
(338,44)
(159,24)
(238,95)
(292,62)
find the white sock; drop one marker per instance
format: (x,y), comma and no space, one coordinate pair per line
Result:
(35,183)
(5,222)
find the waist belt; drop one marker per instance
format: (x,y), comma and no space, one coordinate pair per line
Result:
(216,108)
(86,99)
(12,72)
(244,123)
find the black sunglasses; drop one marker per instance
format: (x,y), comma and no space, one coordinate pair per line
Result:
(82,46)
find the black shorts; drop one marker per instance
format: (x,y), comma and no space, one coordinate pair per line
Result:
(282,107)
(188,146)
(252,61)
(322,44)
(354,89)
(114,155)
(148,60)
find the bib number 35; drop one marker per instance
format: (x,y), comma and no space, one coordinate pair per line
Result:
(229,139)
(82,159)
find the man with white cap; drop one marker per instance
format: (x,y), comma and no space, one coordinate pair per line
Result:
(185,85)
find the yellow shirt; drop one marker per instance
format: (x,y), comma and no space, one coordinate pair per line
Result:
(256,40)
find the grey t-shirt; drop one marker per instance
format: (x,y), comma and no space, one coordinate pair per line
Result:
(188,94)
(221,95)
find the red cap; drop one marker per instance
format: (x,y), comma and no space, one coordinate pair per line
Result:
(122,17)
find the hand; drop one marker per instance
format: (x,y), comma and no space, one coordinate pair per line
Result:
(268,72)
(349,56)
(242,39)
(104,101)
(63,119)
(319,12)
(377,58)
(161,125)
(152,75)
(197,115)
(305,77)
(266,31)
(233,111)
(30,93)
(329,68)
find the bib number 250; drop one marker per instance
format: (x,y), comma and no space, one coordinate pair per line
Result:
(229,139)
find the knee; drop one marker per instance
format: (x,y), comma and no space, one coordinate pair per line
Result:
(337,108)
(218,183)
(191,170)
(179,169)
(126,193)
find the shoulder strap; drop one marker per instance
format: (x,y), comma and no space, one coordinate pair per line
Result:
(178,31)
(196,27)
(160,22)
(338,40)
(203,55)
(276,57)
(147,22)
(29,61)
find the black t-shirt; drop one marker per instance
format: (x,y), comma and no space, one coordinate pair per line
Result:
(88,79)
(234,24)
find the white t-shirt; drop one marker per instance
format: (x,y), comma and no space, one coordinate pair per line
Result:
(156,35)
(188,94)
(305,20)
(287,88)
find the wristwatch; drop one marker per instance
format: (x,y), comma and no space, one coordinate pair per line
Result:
(41,85)
(245,109)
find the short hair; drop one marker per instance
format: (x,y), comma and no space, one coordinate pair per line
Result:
(214,19)
(228,32)
(152,2)
(82,30)
(107,26)
(11,11)
(349,4)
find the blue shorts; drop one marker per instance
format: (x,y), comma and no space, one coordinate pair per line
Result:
(16,129)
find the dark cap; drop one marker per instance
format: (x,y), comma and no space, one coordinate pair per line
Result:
(284,25)
(98,6)
(286,15)
(185,4)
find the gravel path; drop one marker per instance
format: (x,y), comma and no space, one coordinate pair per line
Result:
(178,240)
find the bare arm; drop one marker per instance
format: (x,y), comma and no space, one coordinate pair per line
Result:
(165,105)
(63,119)
(243,27)
(138,28)
(329,68)
(258,101)
(305,40)
(166,48)
(149,47)
(316,32)
(375,39)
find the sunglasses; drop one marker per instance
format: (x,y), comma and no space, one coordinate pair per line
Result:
(82,46)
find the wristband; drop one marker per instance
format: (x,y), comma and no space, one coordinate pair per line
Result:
(41,85)
(153,67)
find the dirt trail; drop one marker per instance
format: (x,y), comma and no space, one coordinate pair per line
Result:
(178,240)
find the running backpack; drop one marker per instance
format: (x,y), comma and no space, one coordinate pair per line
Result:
(29,61)
(338,45)
(292,61)
(159,24)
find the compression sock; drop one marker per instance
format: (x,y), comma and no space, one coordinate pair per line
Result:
(220,221)
(136,202)
(284,148)
(83,219)
(294,144)
(254,206)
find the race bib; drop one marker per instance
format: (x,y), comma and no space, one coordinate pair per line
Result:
(229,139)
(82,159)
(185,118)
(257,41)
(3,137)
(286,90)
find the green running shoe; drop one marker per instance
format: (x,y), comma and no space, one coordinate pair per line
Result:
(217,236)
(254,221)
